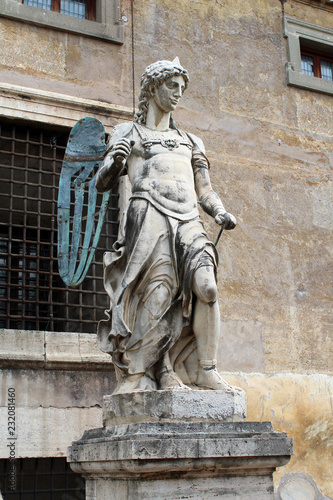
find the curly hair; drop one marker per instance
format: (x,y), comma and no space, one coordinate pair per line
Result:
(156,74)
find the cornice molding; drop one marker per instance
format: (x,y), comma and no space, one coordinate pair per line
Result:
(57,109)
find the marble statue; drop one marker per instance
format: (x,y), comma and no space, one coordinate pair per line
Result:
(162,328)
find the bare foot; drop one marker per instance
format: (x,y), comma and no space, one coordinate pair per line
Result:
(209,378)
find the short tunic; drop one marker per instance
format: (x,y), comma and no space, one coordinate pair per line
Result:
(142,261)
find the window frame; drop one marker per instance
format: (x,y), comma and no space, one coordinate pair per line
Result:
(318,4)
(317,38)
(107,26)
(317,56)
(90,8)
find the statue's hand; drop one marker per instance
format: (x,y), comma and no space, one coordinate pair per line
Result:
(121,151)
(228,221)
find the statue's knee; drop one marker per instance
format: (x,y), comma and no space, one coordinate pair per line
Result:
(206,290)
(210,293)
(158,300)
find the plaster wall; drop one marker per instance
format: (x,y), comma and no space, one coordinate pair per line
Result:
(271,151)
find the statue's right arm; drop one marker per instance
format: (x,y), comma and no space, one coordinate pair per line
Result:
(118,150)
(113,165)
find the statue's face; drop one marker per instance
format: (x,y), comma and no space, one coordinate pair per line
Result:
(167,95)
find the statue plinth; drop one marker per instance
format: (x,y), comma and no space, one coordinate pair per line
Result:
(179,444)
(176,405)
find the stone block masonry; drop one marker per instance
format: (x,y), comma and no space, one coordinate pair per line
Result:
(153,451)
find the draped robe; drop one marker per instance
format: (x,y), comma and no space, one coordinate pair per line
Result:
(158,252)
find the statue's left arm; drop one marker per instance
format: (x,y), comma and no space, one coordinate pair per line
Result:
(208,198)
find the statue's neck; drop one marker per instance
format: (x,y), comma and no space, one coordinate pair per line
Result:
(156,118)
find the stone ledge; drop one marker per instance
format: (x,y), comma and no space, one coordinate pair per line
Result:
(51,350)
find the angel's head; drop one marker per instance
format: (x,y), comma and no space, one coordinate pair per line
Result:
(161,73)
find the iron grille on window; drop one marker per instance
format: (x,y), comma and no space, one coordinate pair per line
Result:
(32,294)
(315,63)
(40,479)
(83,9)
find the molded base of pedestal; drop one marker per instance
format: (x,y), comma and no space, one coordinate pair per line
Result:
(155,452)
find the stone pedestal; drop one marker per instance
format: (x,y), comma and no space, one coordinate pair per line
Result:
(179,445)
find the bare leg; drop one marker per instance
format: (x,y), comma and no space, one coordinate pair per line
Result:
(206,327)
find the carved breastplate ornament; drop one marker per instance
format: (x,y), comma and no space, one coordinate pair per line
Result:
(147,141)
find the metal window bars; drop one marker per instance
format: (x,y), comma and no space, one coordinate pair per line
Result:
(40,479)
(41,4)
(32,295)
(307,65)
(326,68)
(76,8)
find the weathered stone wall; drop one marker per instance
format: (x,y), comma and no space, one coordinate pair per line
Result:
(59,381)
(271,151)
